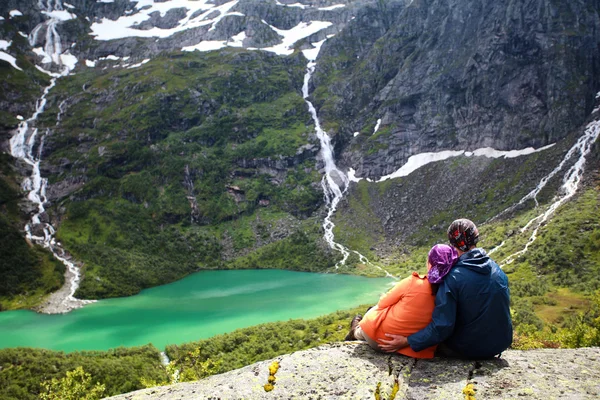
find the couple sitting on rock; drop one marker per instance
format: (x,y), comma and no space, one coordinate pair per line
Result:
(460,309)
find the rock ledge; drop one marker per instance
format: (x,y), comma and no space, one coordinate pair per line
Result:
(351,370)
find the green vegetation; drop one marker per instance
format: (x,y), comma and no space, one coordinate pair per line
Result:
(172,154)
(28,272)
(29,373)
(261,342)
(76,385)
(299,252)
(26,372)
(359,228)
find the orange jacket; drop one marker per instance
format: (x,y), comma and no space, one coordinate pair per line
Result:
(404,310)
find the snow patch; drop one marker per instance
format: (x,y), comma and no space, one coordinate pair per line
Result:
(45,71)
(492,153)
(4,44)
(352,175)
(40,52)
(71,6)
(291,36)
(9,59)
(110,57)
(299,5)
(139,64)
(311,54)
(206,45)
(15,13)
(419,160)
(377,125)
(356,134)
(120,28)
(238,40)
(332,7)
(68,60)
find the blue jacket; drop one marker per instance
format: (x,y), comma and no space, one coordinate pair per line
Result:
(472,310)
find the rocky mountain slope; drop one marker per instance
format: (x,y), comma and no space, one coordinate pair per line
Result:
(159,138)
(354,371)
(458,75)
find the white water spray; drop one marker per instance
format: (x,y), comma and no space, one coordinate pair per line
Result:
(334,182)
(23,146)
(569,186)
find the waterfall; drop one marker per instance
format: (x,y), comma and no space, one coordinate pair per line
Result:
(334,182)
(164,359)
(570,184)
(27,144)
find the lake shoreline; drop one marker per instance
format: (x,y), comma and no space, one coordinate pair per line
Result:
(199,306)
(61,301)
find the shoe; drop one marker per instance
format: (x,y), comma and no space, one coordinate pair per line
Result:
(353,325)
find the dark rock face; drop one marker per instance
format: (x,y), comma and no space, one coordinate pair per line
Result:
(459,75)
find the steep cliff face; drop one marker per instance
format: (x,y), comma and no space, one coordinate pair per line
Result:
(458,75)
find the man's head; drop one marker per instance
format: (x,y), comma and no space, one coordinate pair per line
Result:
(463,234)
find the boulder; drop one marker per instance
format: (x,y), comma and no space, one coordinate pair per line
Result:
(352,370)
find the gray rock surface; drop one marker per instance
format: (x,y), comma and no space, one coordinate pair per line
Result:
(456,75)
(351,370)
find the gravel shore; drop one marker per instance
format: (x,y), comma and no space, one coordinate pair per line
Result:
(61,301)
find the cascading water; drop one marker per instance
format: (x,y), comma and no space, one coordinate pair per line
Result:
(27,144)
(334,182)
(568,188)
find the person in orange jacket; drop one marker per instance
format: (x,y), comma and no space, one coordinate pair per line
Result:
(407,307)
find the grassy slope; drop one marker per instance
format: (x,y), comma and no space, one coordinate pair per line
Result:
(28,273)
(182,118)
(550,284)
(571,314)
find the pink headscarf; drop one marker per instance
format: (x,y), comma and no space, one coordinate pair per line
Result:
(442,258)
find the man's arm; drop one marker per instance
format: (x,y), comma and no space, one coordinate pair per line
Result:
(442,324)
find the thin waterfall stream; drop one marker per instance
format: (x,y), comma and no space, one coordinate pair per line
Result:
(27,144)
(568,188)
(334,182)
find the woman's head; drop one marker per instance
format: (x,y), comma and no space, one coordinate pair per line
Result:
(440,260)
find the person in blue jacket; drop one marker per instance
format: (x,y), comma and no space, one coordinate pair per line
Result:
(471,318)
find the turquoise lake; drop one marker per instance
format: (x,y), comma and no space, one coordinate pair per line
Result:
(202,305)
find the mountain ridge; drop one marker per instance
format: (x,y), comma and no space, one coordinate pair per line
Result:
(146,143)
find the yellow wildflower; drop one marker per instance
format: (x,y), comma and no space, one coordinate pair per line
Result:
(271,379)
(273,368)
(268,387)
(469,392)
